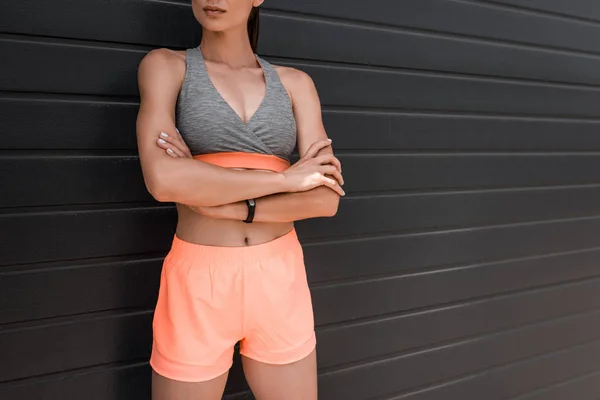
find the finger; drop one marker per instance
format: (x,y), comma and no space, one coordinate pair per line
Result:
(162,143)
(329,159)
(333,171)
(175,144)
(332,184)
(316,147)
(335,161)
(170,140)
(176,153)
(170,149)
(172,153)
(327,169)
(338,177)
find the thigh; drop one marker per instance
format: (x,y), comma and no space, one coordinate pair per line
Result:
(294,381)
(168,389)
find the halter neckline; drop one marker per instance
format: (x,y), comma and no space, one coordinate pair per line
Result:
(212,85)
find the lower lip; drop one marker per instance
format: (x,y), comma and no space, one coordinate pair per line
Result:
(214,13)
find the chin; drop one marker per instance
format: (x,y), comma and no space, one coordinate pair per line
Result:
(213,25)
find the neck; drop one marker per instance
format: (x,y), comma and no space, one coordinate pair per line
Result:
(231,48)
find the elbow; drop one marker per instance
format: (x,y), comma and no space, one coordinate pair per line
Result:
(332,207)
(157,187)
(330,204)
(159,194)
(325,202)
(165,188)
(157,191)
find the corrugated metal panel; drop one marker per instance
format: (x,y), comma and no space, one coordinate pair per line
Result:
(463,264)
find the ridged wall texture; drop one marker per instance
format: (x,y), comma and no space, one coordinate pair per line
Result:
(464,262)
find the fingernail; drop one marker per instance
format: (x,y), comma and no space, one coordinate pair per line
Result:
(329,140)
(169,151)
(177,130)
(164,134)
(343,193)
(161,141)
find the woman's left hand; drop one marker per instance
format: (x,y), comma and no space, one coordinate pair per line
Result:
(173,145)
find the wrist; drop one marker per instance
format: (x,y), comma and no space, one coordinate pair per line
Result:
(282,182)
(237,211)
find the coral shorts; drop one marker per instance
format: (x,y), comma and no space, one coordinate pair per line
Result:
(212,297)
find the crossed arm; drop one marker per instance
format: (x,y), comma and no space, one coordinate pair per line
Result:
(285,207)
(297,193)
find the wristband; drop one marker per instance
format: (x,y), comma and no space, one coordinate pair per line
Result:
(251,208)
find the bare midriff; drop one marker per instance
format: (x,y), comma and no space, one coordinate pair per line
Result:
(194,227)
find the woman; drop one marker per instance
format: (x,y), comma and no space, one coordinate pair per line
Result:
(235,271)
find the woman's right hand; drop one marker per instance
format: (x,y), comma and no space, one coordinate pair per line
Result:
(174,145)
(309,172)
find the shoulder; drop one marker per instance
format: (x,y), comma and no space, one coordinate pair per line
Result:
(163,58)
(294,78)
(163,63)
(298,83)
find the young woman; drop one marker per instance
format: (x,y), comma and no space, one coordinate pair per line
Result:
(216,127)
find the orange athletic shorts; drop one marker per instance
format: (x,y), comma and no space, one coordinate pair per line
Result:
(212,297)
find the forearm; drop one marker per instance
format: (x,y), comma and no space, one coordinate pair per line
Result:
(283,207)
(190,181)
(289,207)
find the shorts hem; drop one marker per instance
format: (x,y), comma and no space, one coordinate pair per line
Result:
(285,357)
(174,370)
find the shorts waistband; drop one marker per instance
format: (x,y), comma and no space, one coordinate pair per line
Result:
(276,246)
(245,160)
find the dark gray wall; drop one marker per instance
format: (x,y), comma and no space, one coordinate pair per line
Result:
(463,264)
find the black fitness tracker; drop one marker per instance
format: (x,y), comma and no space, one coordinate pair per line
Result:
(251,207)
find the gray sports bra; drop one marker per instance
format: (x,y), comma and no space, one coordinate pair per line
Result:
(209,125)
